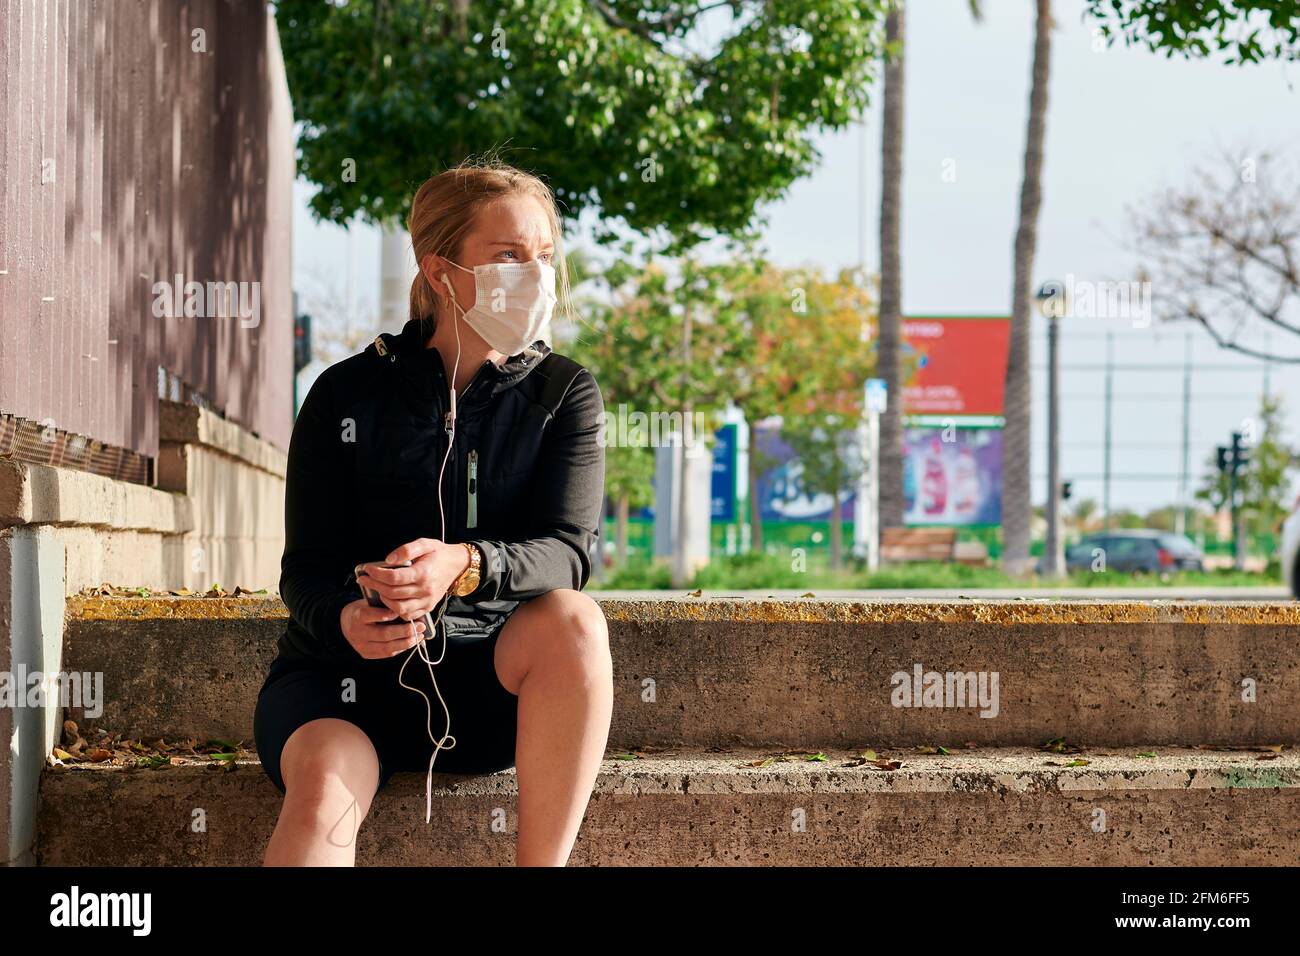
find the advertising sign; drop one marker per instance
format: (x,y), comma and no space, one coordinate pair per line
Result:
(961,365)
(723,495)
(953,482)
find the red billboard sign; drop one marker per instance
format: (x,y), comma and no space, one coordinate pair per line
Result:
(961,364)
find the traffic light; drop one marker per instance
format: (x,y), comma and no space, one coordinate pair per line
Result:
(301,342)
(1223,459)
(1240,454)
(1067,488)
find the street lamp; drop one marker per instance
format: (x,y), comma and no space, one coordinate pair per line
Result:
(1052,305)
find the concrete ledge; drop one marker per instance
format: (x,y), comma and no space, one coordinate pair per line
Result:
(785,673)
(185,424)
(982,808)
(41,494)
(918,610)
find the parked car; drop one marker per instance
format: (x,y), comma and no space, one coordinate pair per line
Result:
(1290,550)
(1140,551)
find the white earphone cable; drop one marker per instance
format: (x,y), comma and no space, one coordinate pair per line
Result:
(430,623)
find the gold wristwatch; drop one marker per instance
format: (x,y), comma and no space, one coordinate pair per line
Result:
(469,579)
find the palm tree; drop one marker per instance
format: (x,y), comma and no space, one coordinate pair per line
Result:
(890,332)
(1015,436)
(891,321)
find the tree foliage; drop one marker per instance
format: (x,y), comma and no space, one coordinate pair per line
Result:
(1244,31)
(611,100)
(1263,484)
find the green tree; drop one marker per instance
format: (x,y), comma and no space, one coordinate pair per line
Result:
(822,362)
(1245,31)
(616,102)
(635,343)
(1263,485)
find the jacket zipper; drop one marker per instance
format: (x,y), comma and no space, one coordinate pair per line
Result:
(471,520)
(472,516)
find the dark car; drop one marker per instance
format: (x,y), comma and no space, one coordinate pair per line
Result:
(1136,552)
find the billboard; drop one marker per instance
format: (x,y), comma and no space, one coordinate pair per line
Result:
(952,476)
(961,365)
(782,494)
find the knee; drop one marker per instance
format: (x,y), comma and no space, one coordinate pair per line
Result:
(575,629)
(329,769)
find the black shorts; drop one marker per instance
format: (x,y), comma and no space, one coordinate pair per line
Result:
(397,720)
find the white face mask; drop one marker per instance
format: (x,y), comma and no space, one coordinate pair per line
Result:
(513,302)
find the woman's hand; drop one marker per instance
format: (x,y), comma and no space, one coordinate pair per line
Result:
(378,632)
(415,591)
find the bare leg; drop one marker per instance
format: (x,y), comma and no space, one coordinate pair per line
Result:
(553,654)
(330,771)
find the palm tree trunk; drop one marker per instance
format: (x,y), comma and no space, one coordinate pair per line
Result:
(891,278)
(1016,501)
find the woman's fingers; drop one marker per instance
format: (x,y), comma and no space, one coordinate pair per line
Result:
(391,576)
(412,550)
(376,615)
(390,639)
(398,592)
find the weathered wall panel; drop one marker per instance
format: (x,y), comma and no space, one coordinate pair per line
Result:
(132,150)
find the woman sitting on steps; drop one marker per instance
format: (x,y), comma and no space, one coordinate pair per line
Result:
(494,495)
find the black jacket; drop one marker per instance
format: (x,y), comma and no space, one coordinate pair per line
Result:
(363,474)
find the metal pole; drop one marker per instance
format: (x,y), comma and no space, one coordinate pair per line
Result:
(1110,376)
(1054,555)
(681,554)
(873,491)
(1238,549)
(1180,519)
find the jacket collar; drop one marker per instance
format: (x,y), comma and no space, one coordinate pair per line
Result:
(423,367)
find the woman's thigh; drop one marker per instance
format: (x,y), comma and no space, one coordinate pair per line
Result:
(309,717)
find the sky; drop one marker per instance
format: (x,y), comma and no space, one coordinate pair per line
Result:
(1122,124)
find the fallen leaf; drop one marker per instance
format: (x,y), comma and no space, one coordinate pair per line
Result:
(1059,745)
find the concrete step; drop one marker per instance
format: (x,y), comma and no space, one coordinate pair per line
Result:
(785,673)
(982,807)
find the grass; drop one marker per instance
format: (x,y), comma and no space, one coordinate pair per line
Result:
(757,572)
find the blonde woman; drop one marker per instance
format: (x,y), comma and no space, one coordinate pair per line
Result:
(464,454)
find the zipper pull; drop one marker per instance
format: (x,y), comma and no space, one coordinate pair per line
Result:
(471,520)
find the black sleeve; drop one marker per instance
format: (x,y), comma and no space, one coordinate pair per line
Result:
(314,571)
(569,490)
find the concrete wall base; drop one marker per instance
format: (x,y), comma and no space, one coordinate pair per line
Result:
(218,519)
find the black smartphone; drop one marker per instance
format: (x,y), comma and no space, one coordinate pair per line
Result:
(374,600)
(372,596)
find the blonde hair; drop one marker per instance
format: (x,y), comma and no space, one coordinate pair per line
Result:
(444,210)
